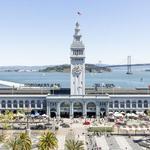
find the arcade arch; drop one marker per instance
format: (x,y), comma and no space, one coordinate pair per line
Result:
(53,112)
(77,109)
(91,110)
(65,110)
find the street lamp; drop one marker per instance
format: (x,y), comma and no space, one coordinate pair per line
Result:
(54,87)
(28,111)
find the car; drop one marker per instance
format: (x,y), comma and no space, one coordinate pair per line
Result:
(65,125)
(86,123)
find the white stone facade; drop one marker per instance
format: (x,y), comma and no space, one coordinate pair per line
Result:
(77,104)
(77,61)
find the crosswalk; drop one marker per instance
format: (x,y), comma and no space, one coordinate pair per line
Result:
(116,143)
(122,142)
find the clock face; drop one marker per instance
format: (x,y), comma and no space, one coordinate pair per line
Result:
(77,69)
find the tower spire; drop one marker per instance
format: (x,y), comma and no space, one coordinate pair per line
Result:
(77,35)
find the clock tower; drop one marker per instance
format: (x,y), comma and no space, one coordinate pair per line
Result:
(77,60)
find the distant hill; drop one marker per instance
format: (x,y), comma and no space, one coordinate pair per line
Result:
(66,68)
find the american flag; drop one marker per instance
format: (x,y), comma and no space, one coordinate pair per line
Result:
(79,13)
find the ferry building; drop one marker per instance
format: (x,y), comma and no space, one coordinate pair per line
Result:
(77,104)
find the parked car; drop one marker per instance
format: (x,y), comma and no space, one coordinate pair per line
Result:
(38,127)
(86,123)
(65,125)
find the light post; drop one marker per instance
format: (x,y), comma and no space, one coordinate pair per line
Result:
(28,111)
(54,87)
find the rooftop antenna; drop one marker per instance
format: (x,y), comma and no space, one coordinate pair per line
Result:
(129,65)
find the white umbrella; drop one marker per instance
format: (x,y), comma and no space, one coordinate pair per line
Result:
(117,114)
(20,115)
(128,115)
(37,114)
(44,115)
(110,112)
(139,128)
(134,115)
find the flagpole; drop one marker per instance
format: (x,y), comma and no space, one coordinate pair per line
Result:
(78,14)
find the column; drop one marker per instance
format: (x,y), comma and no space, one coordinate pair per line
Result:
(42,104)
(107,108)
(30,104)
(6,104)
(125,105)
(137,105)
(84,110)
(71,110)
(36,104)
(142,104)
(48,108)
(97,110)
(58,110)
(18,104)
(24,104)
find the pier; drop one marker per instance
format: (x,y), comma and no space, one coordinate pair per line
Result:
(11,84)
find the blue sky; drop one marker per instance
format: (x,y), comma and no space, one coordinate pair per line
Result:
(39,32)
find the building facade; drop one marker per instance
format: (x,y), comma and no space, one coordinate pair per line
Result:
(77,104)
(77,61)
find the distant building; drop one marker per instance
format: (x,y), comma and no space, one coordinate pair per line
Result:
(77,104)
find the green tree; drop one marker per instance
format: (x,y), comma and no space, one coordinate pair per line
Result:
(2,138)
(74,145)
(148,112)
(13,144)
(48,141)
(24,141)
(21,142)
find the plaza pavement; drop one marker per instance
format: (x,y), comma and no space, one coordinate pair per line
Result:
(115,143)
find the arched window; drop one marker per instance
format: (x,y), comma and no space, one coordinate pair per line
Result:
(27,104)
(3,103)
(65,106)
(15,104)
(78,106)
(116,104)
(127,104)
(146,104)
(110,104)
(91,106)
(33,104)
(133,104)
(121,104)
(39,104)
(140,104)
(9,104)
(21,104)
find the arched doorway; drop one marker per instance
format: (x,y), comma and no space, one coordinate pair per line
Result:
(128,111)
(78,109)
(64,110)
(33,112)
(102,112)
(91,110)
(146,112)
(134,111)
(53,113)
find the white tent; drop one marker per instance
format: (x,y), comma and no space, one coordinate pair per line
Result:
(117,114)
(44,115)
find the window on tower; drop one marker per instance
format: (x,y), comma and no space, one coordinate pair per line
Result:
(77,52)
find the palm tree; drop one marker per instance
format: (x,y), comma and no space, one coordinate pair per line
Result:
(13,144)
(24,141)
(48,141)
(21,142)
(2,138)
(74,145)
